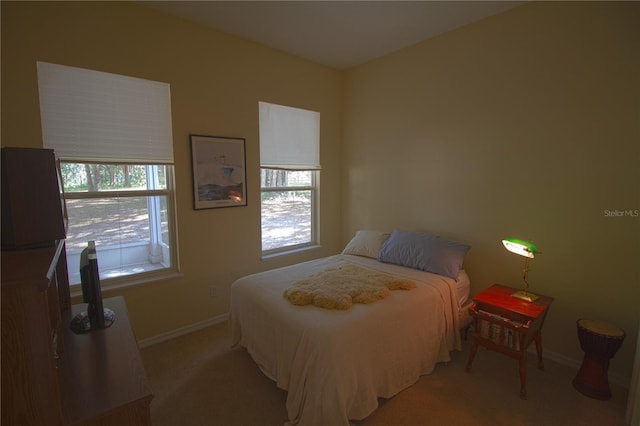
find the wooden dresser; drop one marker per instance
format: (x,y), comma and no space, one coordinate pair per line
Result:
(101,375)
(31,338)
(51,376)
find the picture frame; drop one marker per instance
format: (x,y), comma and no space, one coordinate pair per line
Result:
(219,171)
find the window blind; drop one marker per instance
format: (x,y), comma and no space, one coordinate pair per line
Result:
(289,137)
(97,116)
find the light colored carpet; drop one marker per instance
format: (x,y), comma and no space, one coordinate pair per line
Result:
(199,379)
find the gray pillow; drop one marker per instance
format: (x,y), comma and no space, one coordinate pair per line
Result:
(425,252)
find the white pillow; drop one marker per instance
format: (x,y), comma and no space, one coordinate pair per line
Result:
(366,243)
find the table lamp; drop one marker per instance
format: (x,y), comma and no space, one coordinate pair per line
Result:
(527,250)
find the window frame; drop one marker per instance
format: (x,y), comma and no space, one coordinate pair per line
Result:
(314,213)
(169,192)
(290,141)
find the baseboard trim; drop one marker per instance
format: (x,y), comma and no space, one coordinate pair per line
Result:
(163,337)
(575,365)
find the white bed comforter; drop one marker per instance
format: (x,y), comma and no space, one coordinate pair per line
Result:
(335,364)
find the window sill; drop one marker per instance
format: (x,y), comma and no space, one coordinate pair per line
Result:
(291,251)
(125,282)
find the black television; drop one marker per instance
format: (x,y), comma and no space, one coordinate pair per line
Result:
(96,316)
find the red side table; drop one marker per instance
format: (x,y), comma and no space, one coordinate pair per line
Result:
(508,325)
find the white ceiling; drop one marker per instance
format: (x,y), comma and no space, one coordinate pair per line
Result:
(339,34)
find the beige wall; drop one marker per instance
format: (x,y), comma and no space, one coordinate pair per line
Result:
(216,82)
(546,92)
(526,124)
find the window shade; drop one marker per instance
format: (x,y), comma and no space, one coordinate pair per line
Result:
(289,137)
(96,116)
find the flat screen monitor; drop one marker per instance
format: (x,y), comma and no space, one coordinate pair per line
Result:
(96,316)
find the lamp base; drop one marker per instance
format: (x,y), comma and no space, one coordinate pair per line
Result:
(525,295)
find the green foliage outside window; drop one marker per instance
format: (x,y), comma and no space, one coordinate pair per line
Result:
(88,177)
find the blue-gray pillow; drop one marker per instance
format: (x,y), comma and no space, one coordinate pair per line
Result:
(425,252)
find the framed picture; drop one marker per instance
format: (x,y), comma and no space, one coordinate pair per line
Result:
(219,172)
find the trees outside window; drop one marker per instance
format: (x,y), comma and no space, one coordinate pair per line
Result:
(124,209)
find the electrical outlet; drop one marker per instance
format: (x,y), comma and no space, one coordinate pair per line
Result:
(213,291)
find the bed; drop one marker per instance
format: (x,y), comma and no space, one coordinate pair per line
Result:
(335,364)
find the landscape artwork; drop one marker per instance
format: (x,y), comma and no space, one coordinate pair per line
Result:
(219,172)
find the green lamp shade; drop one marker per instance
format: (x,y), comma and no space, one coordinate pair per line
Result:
(523,248)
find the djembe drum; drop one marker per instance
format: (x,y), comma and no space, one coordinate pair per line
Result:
(599,341)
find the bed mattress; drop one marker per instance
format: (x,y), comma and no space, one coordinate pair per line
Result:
(463,287)
(336,364)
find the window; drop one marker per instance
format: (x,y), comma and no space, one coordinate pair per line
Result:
(287,208)
(125,210)
(289,174)
(113,136)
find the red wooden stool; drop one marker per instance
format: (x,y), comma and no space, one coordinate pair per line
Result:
(600,341)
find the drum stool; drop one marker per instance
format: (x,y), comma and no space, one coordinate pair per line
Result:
(599,341)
